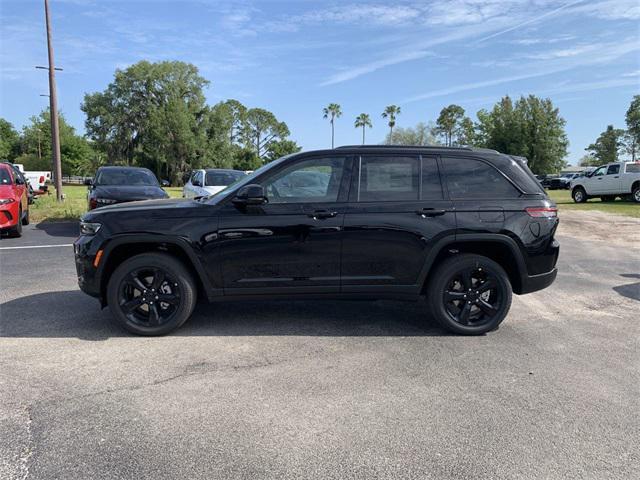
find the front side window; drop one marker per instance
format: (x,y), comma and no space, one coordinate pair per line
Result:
(599,172)
(468,178)
(313,180)
(613,170)
(389,179)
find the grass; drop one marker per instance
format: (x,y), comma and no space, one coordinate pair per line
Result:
(619,207)
(46,209)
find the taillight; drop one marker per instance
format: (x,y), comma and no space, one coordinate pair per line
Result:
(41,178)
(542,212)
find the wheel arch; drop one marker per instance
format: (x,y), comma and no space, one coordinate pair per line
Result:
(498,247)
(120,249)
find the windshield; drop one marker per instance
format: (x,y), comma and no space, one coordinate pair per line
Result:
(126,176)
(216,178)
(246,180)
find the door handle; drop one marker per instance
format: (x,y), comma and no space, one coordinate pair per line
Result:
(431,212)
(322,214)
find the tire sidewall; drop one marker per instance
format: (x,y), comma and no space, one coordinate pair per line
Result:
(186,286)
(635,195)
(442,275)
(576,191)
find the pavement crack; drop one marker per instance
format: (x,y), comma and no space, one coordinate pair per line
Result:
(29,447)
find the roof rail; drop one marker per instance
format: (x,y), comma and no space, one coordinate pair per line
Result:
(421,147)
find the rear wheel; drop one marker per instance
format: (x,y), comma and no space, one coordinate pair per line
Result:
(151,294)
(25,219)
(579,195)
(635,194)
(469,294)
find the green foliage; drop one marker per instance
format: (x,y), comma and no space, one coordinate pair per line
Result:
(632,119)
(362,121)
(391,112)
(247,159)
(454,126)
(260,129)
(532,128)
(588,161)
(332,111)
(9,141)
(281,148)
(421,134)
(607,146)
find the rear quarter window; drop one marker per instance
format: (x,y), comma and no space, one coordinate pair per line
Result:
(633,168)
(469,178)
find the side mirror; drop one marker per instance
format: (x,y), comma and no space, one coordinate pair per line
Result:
(252,194)
(165,183)
(19,180)
(88,182)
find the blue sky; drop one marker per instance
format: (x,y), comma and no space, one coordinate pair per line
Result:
(295,57)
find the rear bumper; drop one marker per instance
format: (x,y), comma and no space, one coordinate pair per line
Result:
(533,283)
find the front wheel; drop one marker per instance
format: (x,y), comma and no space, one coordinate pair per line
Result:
(151,294)
(469,294)
(579,195)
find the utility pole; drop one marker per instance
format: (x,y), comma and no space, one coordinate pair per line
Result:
(53,110)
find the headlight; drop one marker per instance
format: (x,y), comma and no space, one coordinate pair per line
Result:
(105,201)
(4,201)
(88,228)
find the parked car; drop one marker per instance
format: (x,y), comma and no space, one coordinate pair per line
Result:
(563,182)
(30,193)
(123,184)
(203,183)
(620,179)
(463,227)
(14,202)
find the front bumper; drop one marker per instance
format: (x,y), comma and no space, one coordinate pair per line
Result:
(85,253)
(9,215)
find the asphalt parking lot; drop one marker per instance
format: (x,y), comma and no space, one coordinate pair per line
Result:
(324,389)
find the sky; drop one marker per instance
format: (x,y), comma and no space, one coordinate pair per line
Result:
(295,57)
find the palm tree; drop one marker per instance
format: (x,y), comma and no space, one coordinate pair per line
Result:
(391,112)
(332,112)
(363,120)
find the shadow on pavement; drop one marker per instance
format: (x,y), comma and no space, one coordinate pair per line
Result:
(59,229)
(630,290)
(72,314)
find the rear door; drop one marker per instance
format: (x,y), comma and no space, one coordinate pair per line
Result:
(396,213)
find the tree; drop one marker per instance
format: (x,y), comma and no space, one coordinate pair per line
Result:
(391,112)
(362,121)
(247,159)
(532,128)
(332,111)
(466,132)
(151,114)
(449,122)
(261,128)
(588,161)
(607,146)
(421,134)
(9,141)
(281,148)
(632,118)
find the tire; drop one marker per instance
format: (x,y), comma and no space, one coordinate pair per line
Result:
(139,281)
(608,198)
(635,194)
(25,219)
(16,232)
(450,293)
(579,195)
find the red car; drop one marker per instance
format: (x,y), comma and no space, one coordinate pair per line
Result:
(14,204)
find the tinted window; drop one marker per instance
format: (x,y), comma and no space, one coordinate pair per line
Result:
(389,179)
(431,186)
(468,178)
(5,176)
(217,179)
(312,180)
(613,170)
(633,168)
(125,177)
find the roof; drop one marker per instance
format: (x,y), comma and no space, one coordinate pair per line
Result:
(415,147)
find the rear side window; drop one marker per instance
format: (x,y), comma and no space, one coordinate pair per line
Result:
(431,185)
(613,170)
(633,168)
(468,178)
(389,179)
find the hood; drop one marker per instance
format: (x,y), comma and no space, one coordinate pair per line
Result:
(170,207)
(128,192)
(7,191)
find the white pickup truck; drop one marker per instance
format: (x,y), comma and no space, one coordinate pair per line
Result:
(620,179)
(37,179)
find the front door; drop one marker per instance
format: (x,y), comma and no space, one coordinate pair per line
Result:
(596,184)
(611,181)
(396,213)
(292,243)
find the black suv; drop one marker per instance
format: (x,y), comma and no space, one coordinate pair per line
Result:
(462,227)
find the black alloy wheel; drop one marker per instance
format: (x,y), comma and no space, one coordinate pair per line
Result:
(469,294)
(151,294)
